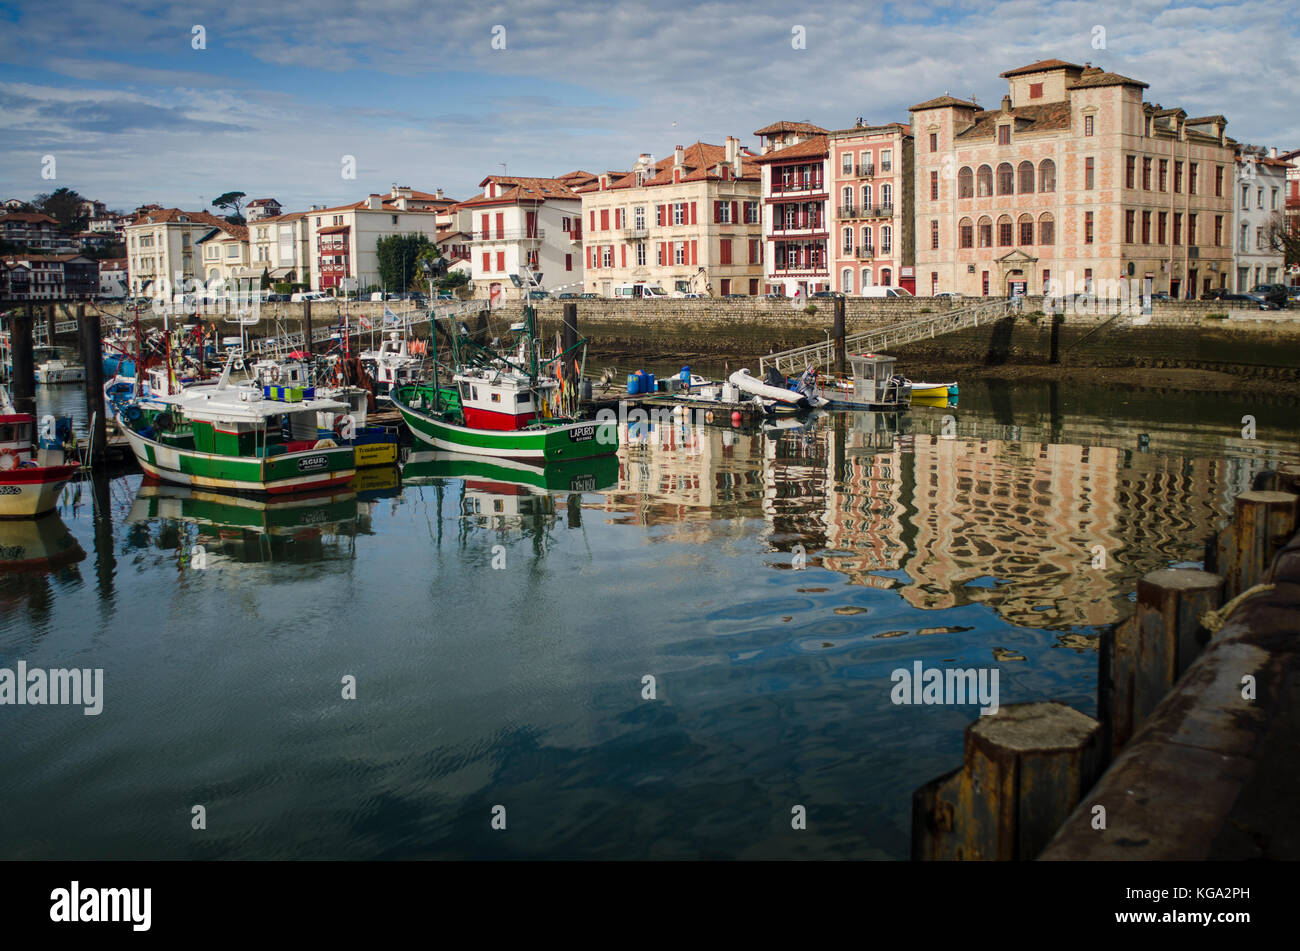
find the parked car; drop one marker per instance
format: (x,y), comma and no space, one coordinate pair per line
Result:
(735,297)
(881,291)
(1273,293)
(949,295)
(1230,297)
(567,295)
(277,298)
(539,295)
(588,296)
(687,295)
(831,294)
(1293,294)
(1161,296)
(298,296)
(775,296)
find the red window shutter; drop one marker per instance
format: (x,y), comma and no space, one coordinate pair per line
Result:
(622,254)
(735,212)
(663,215)
(593,219)
(501,260)
(695,258)
(717,212)
(486,230)
(693,212)
(568,262)
(604,219)
(487,261)
(501,230)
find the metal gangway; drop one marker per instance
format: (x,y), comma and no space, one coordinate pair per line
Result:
(881,339)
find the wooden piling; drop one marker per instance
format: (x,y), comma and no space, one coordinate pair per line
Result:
(22,381)
(1025,769)
(50,322)
(92,357)
(1153,648)
(569,326)
(306,327)
(837,335)
(1262,523)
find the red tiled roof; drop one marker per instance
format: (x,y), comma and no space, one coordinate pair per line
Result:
(1093,76)
(1042,66)
(1036,118)
(515,188)
(336,229)
(815,147)
(31,217)
(168,215)
(778,127)
(698,164)
(941,101)
(112,264)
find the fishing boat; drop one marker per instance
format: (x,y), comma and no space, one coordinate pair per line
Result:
(237,436)
(53,369)
(511,404)
(575,475)
(398,362)
(30,478)
(872,385)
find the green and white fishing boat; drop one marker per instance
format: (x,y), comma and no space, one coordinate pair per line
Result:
(576,475)
(238,437)
(515,404)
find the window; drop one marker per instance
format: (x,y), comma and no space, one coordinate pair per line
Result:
(1260,198)
(1047,280)
(640,253)
(866,278)
(659,216)
(1245,196)
(984,281)
(1146,173)
(934,141)
(1035,90)
(607,256)
(1130,170)
(1004,135)
(1273,201)
(848,240)
(866,237)
(1146,227)
(751,212)
(1025,178)
(1087,279)
(986,232)
(1005,232)
(1046,229)
(604,219)
(886,160)
(934,235)
(679,252)
(1047,176)
(487,261)
(1087,125)
(1087,227)
(724,251)
(1245,230)
(1191,228)
(1130,225)
(722,210)
(1089,173)
(1164,174)
(984,182)
(965,183)
(1006,179)
(568,262)
(846,281)
(1026,231)
(638,217)
(886,235)
(1218,232)
(1178,227)
(886,277)
(679,213)
(1178,176)
(1162,228)
(886,197)
(846,163)
(934,186)
(1218,181)
(501,260)
(866,197)
(965,233)
(1191,178)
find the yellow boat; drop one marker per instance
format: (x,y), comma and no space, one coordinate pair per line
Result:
(928,391)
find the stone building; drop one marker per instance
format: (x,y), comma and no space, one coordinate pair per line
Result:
(1074,178)
(794,158)
(872,242)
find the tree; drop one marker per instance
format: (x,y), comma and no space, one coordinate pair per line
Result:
(232,202)
(398,256)
(266,279)
(64,206)
(1285,239)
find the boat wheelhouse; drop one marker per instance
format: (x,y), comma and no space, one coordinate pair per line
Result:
(397,362)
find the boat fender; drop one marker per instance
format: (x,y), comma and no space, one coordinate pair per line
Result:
(163,422)
(132,413)
(325,444)
(8,459)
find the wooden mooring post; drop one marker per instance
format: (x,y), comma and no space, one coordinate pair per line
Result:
(22,379)
(50,322)
(1262,522)
(837,335)
(92,357)
(1024,770)
(306,328)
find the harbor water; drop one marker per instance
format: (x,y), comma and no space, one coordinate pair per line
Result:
(657,657)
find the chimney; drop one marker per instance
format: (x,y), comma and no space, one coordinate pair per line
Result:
(1006,103)
(374,202)
(1272,152)
(438,193)
(678,155)
(643,161)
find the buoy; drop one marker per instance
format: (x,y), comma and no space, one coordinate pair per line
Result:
(708,415)
(735,418)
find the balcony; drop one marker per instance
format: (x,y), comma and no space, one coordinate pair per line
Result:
(865,171)
(785,188)
(811,224)
(516,234)
(636,233)
(864,252)
(847,211)
(881,211)
(575,235)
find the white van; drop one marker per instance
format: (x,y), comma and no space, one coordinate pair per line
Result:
(298,297)
(882,291)
(639,289)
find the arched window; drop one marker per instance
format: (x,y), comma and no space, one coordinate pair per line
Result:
(1047,176)
(965,233)
(965,183)
(866,278)
(986,232)
(886,277)
(886,235)
(984,182)
(847,197)
(1006,179)
(848,240)
(866,197)
(1005,229)
(1046,229)
(1025,174)
(866,237)
(846,281)
(886,196)
(1025,226)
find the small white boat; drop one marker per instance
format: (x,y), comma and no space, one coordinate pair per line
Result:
(931,390)
(52,369)
(747,383)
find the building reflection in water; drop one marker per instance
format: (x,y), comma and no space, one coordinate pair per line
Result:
(1048,534)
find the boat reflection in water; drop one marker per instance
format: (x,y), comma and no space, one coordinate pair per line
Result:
(503,493)
(31,551)
(232,529)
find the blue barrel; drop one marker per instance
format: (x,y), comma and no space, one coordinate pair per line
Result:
(649,382)
(633,384)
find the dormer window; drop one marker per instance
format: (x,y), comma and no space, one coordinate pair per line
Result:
(1004,135)
(1035,90)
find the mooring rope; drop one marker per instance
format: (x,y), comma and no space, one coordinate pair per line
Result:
(1212,621)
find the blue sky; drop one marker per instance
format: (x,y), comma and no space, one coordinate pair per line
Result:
(419,95)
